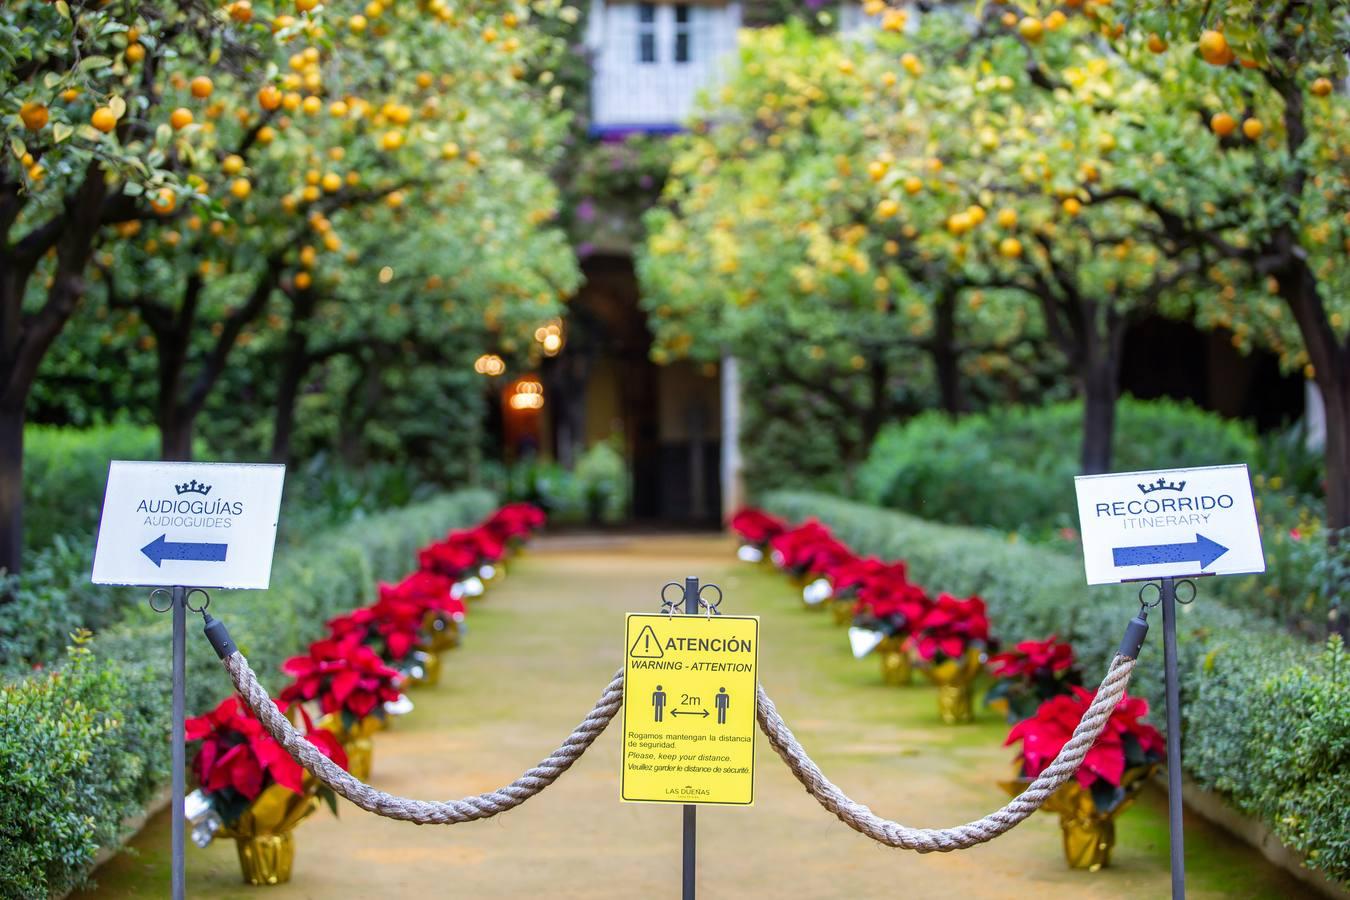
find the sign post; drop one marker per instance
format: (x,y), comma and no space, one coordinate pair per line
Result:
(171,525)
(689,710)
(1169,526)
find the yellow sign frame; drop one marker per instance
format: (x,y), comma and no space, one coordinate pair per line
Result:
(689,709)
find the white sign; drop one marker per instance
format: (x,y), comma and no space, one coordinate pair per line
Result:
(191,524)
(1168,524)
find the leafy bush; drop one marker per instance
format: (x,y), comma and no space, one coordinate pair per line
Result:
(1013,468)
(1250,692)
(55,731)
(65,471)
(83,746)
(596,489)
(602,477)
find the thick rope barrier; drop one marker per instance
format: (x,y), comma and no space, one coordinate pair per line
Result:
(423,812)
(942,840)
(853,814)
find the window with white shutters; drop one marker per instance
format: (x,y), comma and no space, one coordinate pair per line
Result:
(646,33)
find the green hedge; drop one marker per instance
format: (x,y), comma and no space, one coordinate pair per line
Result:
(65,471)
(1013,468)
(83,747)
(1266,717)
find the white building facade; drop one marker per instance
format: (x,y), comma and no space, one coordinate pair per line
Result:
(651,60)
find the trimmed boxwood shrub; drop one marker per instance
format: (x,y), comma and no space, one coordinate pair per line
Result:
(1266,716)
(83,745)
(1013,468)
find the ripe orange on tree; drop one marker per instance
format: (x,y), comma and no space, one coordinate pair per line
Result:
(104,119)
(180,118)
(1252,128)
(1214,48)
(135,53)
(1222,124)
(1156,44)
(33,115)
(1321,87)
(164,202)
(269,97)
(1031,28)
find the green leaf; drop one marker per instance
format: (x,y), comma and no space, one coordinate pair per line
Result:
(61,131)
(93,62)
(18,146)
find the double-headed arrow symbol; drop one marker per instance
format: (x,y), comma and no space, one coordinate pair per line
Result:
(690,712)
(1202,550)
(161,549)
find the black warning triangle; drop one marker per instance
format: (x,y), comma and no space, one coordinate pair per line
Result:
(647,645)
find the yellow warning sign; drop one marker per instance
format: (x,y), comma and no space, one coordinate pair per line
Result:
(689,709)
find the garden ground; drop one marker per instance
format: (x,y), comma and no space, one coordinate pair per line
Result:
(538,652)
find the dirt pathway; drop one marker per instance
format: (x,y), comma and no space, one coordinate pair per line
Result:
(538,652)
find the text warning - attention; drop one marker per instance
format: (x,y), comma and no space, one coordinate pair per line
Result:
(689,709)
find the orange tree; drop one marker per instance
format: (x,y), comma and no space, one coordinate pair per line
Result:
(1263,78)
(80,106)
(480,268)
(1022,154)
(766,247)
(347,120)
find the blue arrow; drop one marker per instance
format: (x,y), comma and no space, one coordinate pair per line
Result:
(161,549)
(1202,551)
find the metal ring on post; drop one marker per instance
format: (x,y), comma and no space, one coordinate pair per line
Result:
(1191,585)
(158,592)
(670,606)
(710,607)
(1145,604)
(206,603)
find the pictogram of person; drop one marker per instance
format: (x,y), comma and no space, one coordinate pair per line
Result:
(658,701)
(723,701)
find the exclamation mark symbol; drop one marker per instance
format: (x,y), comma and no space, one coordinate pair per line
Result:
(647,645)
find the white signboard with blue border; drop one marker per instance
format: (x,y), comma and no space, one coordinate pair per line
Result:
(1169,523)
(193,524)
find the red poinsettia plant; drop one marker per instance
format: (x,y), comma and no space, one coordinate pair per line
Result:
(1127,745)
(515,522)
(437,599)
(392,627)
(1031,673)
(808,549)
(949,628)
(461,553)
(238,759)
(347,678)
(889,603)
(756,527)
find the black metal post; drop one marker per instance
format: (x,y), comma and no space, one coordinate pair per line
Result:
(1168,595)
(177,745)
(690,810)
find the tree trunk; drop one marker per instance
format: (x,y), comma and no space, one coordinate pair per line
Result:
(1337,400)
(1101,389)
(946,357)
(1099,421)
(1330,359)
(295,363)
(175,435)
(26,337)
(11,486)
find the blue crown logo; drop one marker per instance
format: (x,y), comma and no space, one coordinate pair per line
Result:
(193,487)
(1161,485)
